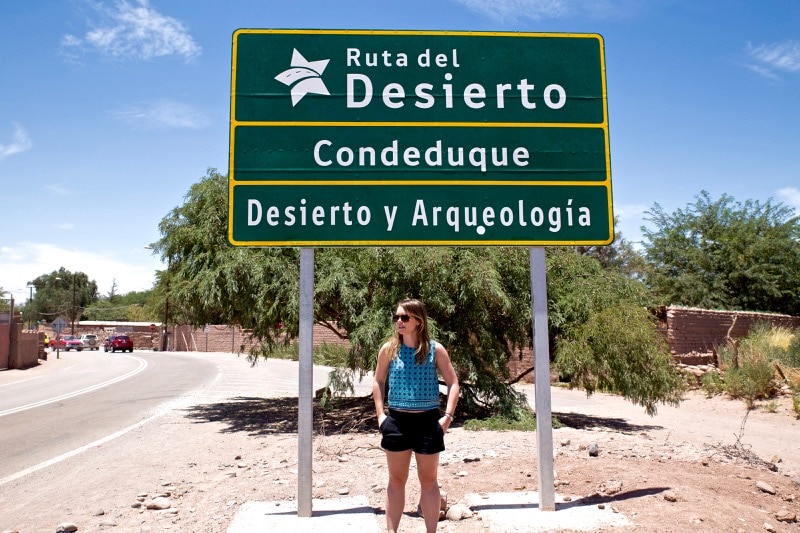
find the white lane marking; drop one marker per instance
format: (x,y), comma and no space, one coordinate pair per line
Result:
(20,381)
(187,400)
(72,453)
(141,367)
(36,377)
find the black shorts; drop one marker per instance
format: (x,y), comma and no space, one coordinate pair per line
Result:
(419,431)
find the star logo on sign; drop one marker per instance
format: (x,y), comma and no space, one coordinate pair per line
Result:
(304,77)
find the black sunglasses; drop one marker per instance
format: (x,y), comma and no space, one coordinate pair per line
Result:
(404,318)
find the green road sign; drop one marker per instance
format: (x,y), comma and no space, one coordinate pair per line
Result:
(399,137)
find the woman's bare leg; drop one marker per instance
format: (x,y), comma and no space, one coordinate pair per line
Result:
(398,463)
(430,498)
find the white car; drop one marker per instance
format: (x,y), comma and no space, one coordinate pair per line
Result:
(90,342)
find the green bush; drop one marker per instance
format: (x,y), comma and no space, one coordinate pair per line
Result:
(524,420)
(771,407)
(712,384)
(499,423)
(751,381)
(764,347)
(618,349)
(760,374)
(737,385)
(793,352)
(331,355)
(326,354)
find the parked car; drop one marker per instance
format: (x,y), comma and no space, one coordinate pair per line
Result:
(60,342)
(118,342)
(71,342)
(90,341)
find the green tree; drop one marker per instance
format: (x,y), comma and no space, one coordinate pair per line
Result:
(105,310)
(619,255)
(135,306)
(209,281)
(4,305)
(722,254)
(478,299)
(63,293)
(113,292)
(603,335)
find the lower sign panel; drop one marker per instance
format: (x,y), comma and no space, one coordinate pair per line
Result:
(357,214)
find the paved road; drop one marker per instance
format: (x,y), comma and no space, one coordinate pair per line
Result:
(75,453)
(83,398)
(67,406)
(72,375)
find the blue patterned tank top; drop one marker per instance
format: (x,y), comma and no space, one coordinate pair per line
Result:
(414,387)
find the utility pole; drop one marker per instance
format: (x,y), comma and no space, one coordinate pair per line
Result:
(28,307)
(163,340)
(73,304)
(164,332)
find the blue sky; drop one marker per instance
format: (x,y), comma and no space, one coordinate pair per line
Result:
(110,110)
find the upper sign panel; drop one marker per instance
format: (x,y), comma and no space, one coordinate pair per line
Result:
(336,76)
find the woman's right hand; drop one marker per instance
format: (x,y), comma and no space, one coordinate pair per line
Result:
(381,418)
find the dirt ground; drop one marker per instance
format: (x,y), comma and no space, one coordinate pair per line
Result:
(207,460)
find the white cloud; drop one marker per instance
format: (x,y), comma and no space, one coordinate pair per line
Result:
(20,142)
(162,114)
(630,210)
(771,59)
(134,31)
(57,189)
(512,9)
(763,71)
(536,10)
(25,261)
(630,219)
(791,197)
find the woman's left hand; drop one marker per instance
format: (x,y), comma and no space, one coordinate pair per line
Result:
(445,423)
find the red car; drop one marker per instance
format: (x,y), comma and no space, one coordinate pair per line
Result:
(118,342)
(67,343)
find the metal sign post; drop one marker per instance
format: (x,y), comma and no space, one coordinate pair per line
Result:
(305,422)
(541,354)
(58,326)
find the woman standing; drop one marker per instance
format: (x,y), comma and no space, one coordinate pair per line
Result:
(410,360)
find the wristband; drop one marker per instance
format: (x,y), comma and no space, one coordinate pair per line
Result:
(448,415)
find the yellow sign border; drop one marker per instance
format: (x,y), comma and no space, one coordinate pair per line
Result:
(232,182)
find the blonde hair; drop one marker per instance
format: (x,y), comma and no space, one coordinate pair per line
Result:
(414,308)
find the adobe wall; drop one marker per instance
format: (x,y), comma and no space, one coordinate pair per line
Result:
(223,339)
(23,348)
(233,340)
(521,361)
(5,341)
(218,339)
(27,350)
(688,329)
